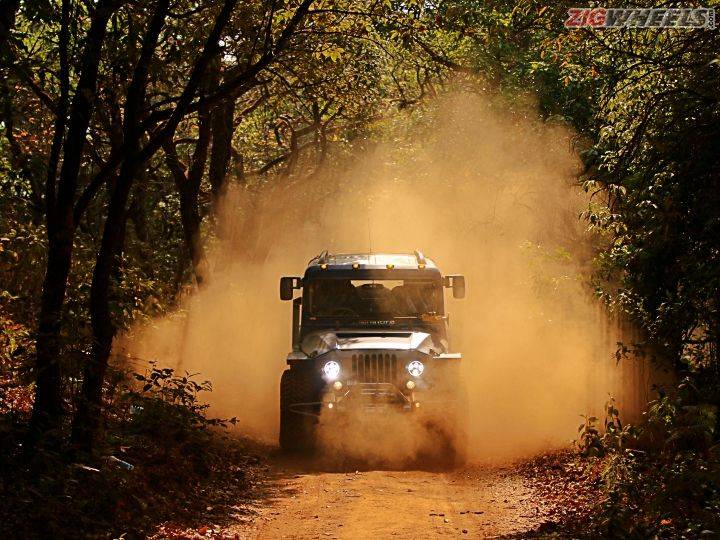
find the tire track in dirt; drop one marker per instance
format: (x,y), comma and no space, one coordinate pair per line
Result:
(306,500)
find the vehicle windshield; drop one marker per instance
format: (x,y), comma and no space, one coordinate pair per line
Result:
(371,299)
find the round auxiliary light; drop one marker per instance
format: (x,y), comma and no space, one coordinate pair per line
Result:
(410,385)
(323,266)
(356,265)
(337,385)
(331,370)
(415,368)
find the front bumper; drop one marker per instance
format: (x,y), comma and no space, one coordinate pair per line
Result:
(379,398)
(360,397)
(370,397)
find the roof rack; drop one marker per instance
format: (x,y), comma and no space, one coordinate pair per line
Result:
(321,259)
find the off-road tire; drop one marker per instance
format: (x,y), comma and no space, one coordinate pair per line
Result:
(297,431)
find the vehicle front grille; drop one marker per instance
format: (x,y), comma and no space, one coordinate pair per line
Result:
(374,368)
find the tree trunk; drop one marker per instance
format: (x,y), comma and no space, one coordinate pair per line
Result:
(190,192)
(47,409)
(8,11)
(190,218)
(87,417)
(222,133)
(188,185)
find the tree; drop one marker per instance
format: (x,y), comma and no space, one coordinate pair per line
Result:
(134,155)
(60,197)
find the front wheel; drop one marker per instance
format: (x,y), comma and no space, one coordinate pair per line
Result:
(449,424)
(298,423)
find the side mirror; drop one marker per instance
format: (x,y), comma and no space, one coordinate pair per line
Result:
(457,282)
(288,286)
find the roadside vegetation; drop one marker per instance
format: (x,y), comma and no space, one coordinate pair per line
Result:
(124,123)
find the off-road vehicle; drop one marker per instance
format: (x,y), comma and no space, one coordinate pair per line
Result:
(369,332)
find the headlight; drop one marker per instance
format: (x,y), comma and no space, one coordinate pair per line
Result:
(331,370)
(415,368)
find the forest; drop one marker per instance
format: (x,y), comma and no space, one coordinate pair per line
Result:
(130,130)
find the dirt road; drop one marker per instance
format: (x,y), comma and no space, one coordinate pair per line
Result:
(307,500)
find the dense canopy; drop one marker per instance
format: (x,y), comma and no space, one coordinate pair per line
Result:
(125,123)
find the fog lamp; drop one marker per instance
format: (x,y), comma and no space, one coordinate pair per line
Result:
(415,368)
(410,385)
(337,385)
(331,370)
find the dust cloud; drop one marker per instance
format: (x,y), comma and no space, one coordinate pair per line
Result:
(485,189)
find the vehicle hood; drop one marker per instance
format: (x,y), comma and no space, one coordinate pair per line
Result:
(322,342)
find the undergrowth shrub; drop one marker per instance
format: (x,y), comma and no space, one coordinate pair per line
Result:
(169,450)
(165,410)
(661,477)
